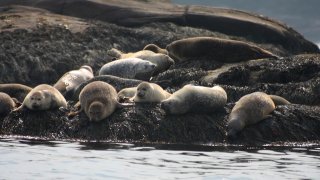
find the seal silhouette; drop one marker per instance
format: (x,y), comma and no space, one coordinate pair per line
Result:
(133,68)
(43,97)
(71,80)
(197,99)
(150,92)
(216,49)
(251,109)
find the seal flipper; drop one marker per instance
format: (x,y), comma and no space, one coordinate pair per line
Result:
(74,113)
(279,100)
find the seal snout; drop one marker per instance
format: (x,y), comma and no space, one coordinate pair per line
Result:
(35,106)
(140,94)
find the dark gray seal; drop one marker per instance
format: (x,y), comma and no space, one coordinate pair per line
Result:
(17,91)
(216,49)
(6,104)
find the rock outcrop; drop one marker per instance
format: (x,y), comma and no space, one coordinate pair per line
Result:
(43,39)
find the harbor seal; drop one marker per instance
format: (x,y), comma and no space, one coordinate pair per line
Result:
(71,80)
(43,97)
(251,109)
(17,91)
(162,61)
(192,98)
(98,100)
(6,104)
(150,92)
(126,93)
(216,49)
(133,68)
(155,48)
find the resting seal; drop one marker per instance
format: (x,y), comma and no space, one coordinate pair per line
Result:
(150,92)
(251,109)
(133,68)
(98,100)
(195,99)
(216,49)
(155,48)
(17,91)
(43,97)
(126,93)
(6,104)
(71,80)
(162,61)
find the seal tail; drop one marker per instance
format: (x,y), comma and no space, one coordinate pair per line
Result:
(279,100)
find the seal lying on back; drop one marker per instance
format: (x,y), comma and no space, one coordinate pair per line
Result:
(98,100)
(71,80)
(251,109)
(17,91)
(155,48)
(6,104)
(133,68)
(195,99)
(150,92)
(44,97)
(162,61)
(216,49)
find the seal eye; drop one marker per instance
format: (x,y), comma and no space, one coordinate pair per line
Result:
(38,99)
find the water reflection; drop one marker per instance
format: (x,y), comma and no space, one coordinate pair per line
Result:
(35,158)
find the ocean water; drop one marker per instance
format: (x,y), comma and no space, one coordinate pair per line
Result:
(302,15)
(29,158)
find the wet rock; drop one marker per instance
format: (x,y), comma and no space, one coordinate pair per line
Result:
(43,51)
(46,124)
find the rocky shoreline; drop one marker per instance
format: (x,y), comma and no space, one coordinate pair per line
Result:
(55,41)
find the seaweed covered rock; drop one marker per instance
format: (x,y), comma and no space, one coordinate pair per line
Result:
(149,123)
(40,50)
(46,124)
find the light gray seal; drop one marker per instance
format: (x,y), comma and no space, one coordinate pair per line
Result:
(150,92)
(127,93)
(132,68)
(71,80)
(162,61)
(43,97)
(216,49)
(197,99)
(251,109)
